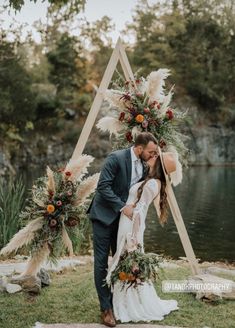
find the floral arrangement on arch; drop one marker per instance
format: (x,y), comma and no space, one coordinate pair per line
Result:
(56,213)
(142,105)
(135,267)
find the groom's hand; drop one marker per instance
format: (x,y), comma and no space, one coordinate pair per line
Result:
(128,211)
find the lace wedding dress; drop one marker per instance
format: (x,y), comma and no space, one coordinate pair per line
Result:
(141,303)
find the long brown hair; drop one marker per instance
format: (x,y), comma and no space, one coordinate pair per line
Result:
(157,173)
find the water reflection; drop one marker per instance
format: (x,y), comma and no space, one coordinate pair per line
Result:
(206,198)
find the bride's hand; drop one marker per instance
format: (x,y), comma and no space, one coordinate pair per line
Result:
(128,211)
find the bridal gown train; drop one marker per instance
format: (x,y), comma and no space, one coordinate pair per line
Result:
(141,303)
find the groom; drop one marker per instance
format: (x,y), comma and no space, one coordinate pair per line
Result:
(122,169)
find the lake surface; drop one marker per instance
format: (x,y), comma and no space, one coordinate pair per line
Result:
(206,198)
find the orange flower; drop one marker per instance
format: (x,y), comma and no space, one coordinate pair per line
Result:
(50,208)
(122,276)
(139,118)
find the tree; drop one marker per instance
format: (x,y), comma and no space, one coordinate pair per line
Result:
(74,5)
(67,70)
(16,96)
(196,40)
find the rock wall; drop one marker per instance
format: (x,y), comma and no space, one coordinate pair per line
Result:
(211,145)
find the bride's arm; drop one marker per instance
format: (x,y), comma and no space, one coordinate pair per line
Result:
(150,191)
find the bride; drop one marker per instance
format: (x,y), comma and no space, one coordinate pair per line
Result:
(142,303)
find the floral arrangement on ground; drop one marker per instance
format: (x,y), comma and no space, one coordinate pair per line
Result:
(142,105)
(56,212)
(135,267)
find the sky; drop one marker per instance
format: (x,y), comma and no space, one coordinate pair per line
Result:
(120,11)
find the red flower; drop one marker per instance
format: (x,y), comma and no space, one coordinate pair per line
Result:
(68,174)
(129,136)
(170,114)
(137,81)
(51,193)
(121,116)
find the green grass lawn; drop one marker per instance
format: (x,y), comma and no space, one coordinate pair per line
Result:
(71,298)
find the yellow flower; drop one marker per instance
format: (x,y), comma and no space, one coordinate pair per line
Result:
(50,208)
(139,118)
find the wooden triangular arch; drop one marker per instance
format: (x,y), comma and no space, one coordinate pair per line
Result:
(120,54)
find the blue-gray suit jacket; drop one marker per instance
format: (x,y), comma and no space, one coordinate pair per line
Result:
(113,187)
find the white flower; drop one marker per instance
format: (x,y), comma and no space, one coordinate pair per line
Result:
(156,83)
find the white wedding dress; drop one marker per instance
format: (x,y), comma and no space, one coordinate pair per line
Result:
(140,303)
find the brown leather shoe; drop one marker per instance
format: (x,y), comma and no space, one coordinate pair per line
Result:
(107,318)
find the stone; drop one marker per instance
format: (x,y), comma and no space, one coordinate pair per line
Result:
(3,283)
(227,292)
(13,288)
(215,270)
(30,284)
(44,276)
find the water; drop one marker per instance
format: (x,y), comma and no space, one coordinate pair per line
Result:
(206,199)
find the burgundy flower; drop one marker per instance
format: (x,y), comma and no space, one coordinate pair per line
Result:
(153,104)
(68,174)
(146,110)
(53,223)
(145,124)
(59,203)
(162,143)
(170,114)
(129,136)
(126,97)
(121,116)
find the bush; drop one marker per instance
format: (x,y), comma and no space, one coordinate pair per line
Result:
(11,204)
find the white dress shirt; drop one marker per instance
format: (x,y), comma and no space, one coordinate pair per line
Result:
(136,169)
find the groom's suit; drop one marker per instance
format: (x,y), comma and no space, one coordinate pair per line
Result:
(111,196)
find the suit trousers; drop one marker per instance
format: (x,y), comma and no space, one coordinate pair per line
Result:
(104,239)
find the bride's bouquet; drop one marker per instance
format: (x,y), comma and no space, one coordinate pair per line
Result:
(135,267)
(143,105)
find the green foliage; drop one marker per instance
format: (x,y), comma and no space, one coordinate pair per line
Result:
(17,99)
(11,203)
(72,297)
(54,201)
(67,70)
(196,40)
(76,5)
(100,46)
(135,267)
